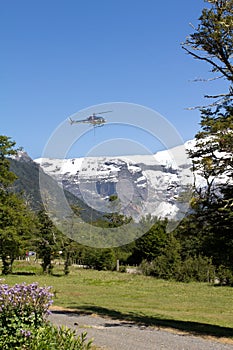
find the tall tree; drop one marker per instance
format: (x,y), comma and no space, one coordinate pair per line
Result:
(17,222)
(212,156)
(49,241)
(149,246)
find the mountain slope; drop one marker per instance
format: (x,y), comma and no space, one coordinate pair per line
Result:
(28,173)
(144,184)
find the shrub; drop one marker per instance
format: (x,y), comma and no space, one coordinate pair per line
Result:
(23,308)
(53,338)
(23,322)
(198,269)
(167,264)
(225,276)
(101,259)
(148,268)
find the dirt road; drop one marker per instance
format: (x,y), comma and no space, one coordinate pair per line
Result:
(122,335)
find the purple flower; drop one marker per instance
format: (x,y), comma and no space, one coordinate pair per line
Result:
(25,333)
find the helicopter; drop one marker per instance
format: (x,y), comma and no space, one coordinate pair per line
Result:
(94,119)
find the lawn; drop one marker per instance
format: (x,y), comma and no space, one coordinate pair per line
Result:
(198,308)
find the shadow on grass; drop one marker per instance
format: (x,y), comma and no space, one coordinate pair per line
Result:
(23,273)
(57,274)
(28,273)
(194,328)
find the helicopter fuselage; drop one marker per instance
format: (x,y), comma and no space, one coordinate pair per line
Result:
(94,120)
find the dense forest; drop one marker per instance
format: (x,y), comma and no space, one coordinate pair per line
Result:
(201,247)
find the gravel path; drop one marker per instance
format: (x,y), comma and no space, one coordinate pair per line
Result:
(122,335)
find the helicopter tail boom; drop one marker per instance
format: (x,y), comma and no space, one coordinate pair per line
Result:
(75,121)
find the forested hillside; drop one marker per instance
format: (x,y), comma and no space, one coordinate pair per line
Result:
(27,182)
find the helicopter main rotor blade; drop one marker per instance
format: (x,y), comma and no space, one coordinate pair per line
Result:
(103,112)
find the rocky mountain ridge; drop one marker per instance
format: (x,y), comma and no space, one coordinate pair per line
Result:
(144,184)
(29,175)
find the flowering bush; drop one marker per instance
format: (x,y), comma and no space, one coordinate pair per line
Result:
(29,301)
(23,308)
(23,323)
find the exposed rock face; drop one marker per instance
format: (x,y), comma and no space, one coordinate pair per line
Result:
(146,184)
(22,156)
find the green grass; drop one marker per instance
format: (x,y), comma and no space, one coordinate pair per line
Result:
(198,308)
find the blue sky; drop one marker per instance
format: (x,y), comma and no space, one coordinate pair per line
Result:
(59,57)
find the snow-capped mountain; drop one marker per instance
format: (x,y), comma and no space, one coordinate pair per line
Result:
(144,184)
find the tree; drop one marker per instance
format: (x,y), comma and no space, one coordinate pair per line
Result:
(100,259)
(17,222)
(49,243)
(7,149)
(69,250)
(212,156)
(17,227)
(212,42)
(149,246)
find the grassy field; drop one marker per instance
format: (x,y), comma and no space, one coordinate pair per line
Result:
(198,308)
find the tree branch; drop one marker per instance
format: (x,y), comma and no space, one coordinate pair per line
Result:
(206,80)
(217,96)
(209,61)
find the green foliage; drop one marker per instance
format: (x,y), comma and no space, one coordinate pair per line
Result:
(106,260)
(113,220)
(199,269)
(51,337)
(212,40)
(212,156)
(212,217)
(150,244)
(167,264)
(177,259)
(17,222)
(17,227)
(225,275)
(190,236)
(192,269)
(6,149)
(23,309)
(48,244)
(169,261)
(212,204)
(23,321)
(101,259)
